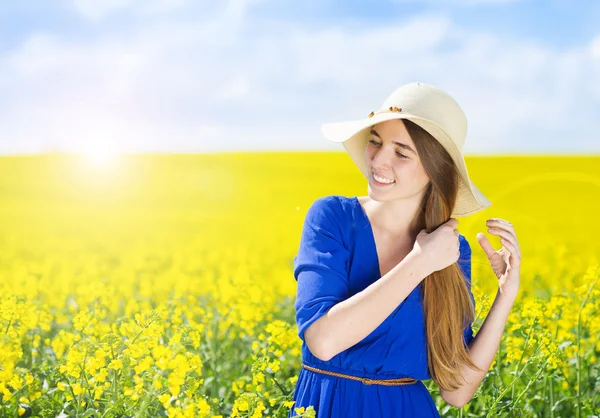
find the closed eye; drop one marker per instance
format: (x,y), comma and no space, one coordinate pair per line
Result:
(372,141)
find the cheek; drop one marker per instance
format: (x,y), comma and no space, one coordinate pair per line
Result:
(411,173)
(420,176)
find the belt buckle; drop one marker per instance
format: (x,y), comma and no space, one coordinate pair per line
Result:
(367,381)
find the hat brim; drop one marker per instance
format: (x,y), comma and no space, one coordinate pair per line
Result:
(354,136)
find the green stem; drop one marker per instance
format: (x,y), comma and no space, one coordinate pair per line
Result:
(512,393)
(497,400)
(544,392)
(214,348)
(551,397)
(532,380)
(141,331)
(578,357)
(8,325)
(285,392)
(114,378)
(74,397)
(498,360)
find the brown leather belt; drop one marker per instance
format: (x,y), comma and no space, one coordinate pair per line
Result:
(366,380)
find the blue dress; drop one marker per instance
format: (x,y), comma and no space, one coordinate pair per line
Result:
(337,259)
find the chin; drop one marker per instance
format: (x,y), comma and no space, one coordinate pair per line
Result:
(383,195)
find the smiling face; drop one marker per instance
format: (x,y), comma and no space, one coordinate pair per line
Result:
(391,154)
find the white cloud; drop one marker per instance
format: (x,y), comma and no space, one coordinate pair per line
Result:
(234,82)
(595,47)
(595,57)
(471,2)
(97,10)
(460,2)
(343,58)
(36,56)
(237,87)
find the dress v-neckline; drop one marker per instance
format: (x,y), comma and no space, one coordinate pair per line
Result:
(372,234)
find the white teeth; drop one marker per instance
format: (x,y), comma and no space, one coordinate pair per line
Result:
(381,179)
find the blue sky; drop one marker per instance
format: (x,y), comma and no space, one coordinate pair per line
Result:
(253,75)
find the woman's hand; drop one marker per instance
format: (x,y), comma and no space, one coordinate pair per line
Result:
(506,262)
(441,247)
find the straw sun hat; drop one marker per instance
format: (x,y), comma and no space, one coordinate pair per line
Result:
(433,110)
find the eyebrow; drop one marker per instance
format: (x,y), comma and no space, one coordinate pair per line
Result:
(407,147)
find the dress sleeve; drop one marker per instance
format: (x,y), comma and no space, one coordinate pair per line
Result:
(465,266)
(321,266)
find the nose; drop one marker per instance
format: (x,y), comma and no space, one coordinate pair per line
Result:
(382,160)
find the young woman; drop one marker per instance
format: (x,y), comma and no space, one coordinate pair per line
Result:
(384,295)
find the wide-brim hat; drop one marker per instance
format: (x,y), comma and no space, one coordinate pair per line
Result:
(433,110)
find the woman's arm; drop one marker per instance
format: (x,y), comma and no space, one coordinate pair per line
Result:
(350,321)
(506,265)
(482,350)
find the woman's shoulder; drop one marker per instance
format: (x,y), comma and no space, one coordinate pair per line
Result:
(332,207)
(334,210)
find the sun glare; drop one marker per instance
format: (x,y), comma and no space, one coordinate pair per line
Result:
(100,155)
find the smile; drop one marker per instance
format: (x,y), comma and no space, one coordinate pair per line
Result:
(381,184)
(382,180)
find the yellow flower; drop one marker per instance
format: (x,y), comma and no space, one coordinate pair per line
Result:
(259,378)
(242,405)
(116,364)
(102,375)
(77,389)
(164,399)
(98,391)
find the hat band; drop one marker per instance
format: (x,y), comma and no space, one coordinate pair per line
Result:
(390,109)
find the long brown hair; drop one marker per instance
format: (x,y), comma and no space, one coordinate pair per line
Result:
(447,304)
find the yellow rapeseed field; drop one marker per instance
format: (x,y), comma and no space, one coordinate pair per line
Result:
(161,285)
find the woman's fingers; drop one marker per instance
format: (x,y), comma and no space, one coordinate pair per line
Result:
(501,223)
(513,251)
(509,238)
(485,244)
